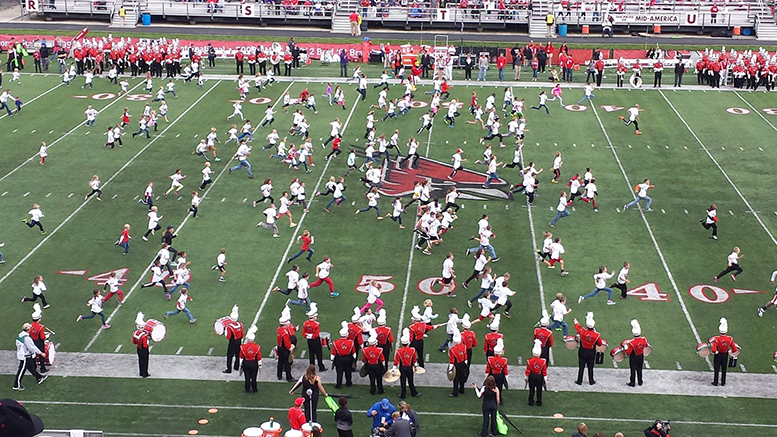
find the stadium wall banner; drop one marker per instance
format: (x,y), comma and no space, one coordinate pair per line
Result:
(680,18)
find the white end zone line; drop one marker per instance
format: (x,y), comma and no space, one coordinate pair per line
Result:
(83,204)
(50,145)
(299,225)
(37,97)
(410,259)
(652,236)
(428,413)
(725,175)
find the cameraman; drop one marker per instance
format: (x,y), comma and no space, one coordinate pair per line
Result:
(658,429)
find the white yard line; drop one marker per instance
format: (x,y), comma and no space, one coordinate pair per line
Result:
(427,413)
(756,111)
(652,236)
(178,229)
(537,262)
(50,145)
(298,227)
(83,204)
(36,98)
(413,240)
(725,175)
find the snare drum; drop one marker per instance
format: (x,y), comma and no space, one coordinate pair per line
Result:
(325,338)
(51,352)
(271,428)
(252,432)
(418,370)
(703,349)
(739,350)
(603,347)
(220,325)
(293,433)
(618,354)
(155,329)
(775,357)
(648,350)
(307,428)
(570,342)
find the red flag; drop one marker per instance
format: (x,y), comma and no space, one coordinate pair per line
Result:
(81,34)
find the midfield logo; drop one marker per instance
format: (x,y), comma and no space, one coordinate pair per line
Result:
(399,182)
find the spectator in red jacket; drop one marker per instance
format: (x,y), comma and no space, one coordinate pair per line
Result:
(501,62)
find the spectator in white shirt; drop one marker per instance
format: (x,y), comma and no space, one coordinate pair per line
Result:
(35,215)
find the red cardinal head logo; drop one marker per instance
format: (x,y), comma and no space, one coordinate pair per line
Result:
(400,182)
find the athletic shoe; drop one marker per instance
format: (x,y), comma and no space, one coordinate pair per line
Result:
(213,268)
(552,226)
(192,321)
(734,278)
(335,294)
(564,273)
(79,319)
(580,300)
(144,238)
(166,316)
(716,279)
(551,267)
(469,304)
(649,210)
(714,237)
(106,326)
(222,279)
(464,284)
(46,306)
(169,297)
(495,260)
(45,377)
(254,203)
(450,295)
(760,312)
(18,388)
(610,302)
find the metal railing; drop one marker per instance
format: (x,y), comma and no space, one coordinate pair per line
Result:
(451,14)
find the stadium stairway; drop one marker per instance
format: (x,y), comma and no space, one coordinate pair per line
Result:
(340,20)
(537,26)
(132,14)
(765,28)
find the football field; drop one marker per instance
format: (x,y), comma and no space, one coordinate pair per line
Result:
(698,147)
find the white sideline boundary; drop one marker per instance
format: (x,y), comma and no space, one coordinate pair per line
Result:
(425,413)
(299,223)
(725,175)
(83,204)
(756,111)
(652,236)
(50,145)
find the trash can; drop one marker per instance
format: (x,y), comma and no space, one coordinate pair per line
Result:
(747,31)
(146,19)
(562,30)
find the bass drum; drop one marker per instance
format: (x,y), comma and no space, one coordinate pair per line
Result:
(51,353)
(635,81)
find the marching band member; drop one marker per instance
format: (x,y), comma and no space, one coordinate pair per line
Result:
(343,354)
(140,339)
(496,365)
(468,338)
(457,355)
(586,354)
(636,350)
(234,333)
(385,337)
(373,359)
(544,335)
(355,331)
(311,330)
(250,353)
(417,331)
(38,335)
(721,345)
(492,337)
(536,373)
(26,351)
(283,339)
(406,358)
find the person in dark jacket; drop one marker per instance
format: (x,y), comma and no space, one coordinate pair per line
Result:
(167,237)
(582,430)
(679,69)
(344,418)
(343,63)
(406,412)
(400,427)
(542,59)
